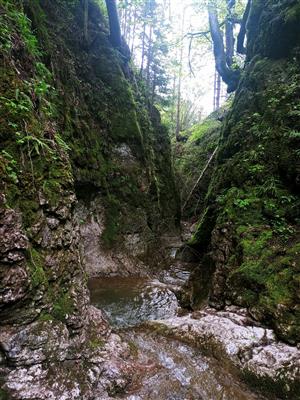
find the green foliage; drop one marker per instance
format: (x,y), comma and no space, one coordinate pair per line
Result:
(239,205)
(5,35)
(293,134)
(242,203)
(10,166)
(292,13)
(205,127)
(33,144)
(61,143)
(101,4)
(22,24)
(24,27)
(19,106)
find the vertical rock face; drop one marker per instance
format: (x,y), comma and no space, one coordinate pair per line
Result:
(119,151)
(252,211)
(84,169)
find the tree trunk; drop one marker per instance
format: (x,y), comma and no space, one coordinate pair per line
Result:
(229,26)
(178,127)
(217,91)
(127,21)
(143,48)
(229,76)
(85,19)
(133,30)
(173,102)
(149,57)
(177,133)
(114,25)
(241,36)
(153,92)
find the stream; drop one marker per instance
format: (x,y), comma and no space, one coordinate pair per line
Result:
(176,371)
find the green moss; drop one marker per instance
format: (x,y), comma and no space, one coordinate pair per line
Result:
(62,307)
(44,316)
(206,127)
(96,343)
(134,350)
(124,129)
(190,159)
(280,388)
(36,266)
(254,189)
(263,277)
(255,241)
(112,222)
(29,210)
(52,191)
(292,13)
(4,395)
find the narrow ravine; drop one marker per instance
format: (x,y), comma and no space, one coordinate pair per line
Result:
(169,369)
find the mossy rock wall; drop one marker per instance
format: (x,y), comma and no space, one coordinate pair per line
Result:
(105,118)
(74,125)
(250,223)
(191,157)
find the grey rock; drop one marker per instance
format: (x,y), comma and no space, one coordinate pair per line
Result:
(52,222)
(232,337)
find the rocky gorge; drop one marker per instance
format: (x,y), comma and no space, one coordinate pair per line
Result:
(89,201)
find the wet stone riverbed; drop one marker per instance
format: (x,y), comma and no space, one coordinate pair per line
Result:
(175,371)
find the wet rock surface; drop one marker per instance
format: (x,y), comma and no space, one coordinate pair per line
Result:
(233,338)
(54,345)
(165,368)
(47,363)
(176,371)
(14,280)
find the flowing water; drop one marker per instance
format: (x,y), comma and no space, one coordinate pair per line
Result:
(175,371)
(130,301)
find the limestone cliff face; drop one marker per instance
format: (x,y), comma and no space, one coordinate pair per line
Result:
(252,208)
(84,169)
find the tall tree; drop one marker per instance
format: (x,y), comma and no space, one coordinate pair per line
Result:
(229,32)
(242,34)
(114,24)
(178,117)
(217,90)
(85,19)
(229,75)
